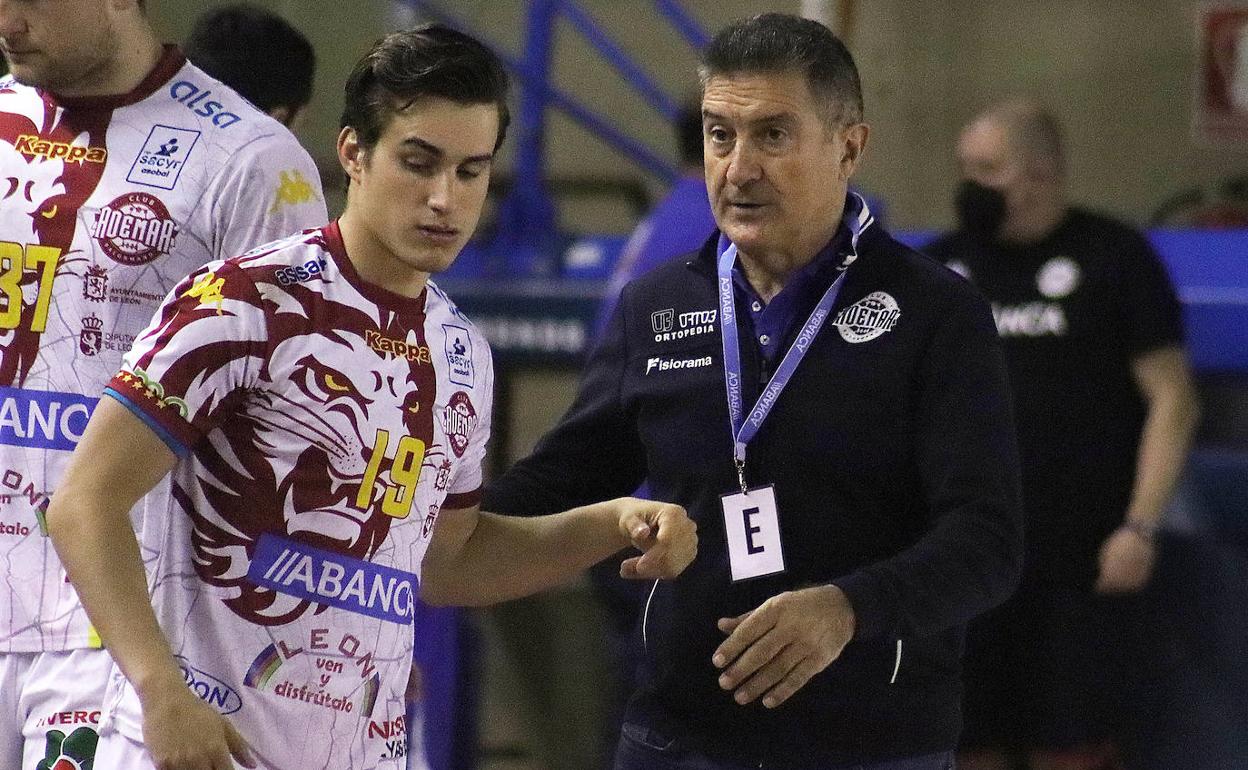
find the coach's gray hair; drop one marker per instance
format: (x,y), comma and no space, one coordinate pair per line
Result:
(776,42)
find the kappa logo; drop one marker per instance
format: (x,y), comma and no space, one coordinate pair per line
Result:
(135,229)
(209,290)
(384,346)
(293,188)
(668,326)
(163,157)
(664,364)
(1058,277)
(868,318)
(38,147)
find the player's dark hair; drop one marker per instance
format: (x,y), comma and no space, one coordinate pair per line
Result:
(430,60)
(255,52)
(777,43)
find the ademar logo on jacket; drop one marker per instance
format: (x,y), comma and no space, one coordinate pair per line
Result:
(868,318)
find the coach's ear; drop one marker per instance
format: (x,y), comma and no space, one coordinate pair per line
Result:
(351,155)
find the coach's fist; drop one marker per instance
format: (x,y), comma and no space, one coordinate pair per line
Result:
(663,532)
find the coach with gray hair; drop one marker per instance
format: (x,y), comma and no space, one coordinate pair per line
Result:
(831,407)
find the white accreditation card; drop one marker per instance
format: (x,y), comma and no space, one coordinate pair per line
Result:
(753,530)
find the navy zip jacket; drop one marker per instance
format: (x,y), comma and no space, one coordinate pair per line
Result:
(895,467)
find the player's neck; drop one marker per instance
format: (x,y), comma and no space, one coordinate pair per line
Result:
(136,56)
(375,262)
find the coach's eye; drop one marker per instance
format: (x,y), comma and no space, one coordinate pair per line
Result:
(334,386)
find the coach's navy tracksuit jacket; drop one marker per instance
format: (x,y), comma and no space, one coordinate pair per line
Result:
(893,456)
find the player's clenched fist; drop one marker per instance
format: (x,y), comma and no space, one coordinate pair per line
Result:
(663,532)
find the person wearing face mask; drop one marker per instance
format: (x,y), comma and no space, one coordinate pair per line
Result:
(1105,409)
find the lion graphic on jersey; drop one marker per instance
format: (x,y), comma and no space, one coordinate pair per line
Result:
(297,457)
(40,194)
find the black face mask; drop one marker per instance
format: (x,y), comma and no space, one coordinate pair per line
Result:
(981,210)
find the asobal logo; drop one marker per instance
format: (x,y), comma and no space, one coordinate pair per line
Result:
(664,364)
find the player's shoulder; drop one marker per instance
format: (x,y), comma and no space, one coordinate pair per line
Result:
(440,309)
(218,115)
(296,258)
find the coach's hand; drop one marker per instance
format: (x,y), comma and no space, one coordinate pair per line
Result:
(1126,561)
(774,650)
(663,532)
(182,732)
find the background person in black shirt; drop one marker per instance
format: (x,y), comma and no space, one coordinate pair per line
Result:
(826,634)
(1105,410)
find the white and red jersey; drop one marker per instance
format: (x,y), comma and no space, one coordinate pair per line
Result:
(105,204)
(322,423)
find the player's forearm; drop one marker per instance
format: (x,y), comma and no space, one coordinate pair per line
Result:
(97,545)
(1164,443)
(506,557)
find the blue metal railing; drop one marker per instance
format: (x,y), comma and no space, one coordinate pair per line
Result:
(527,217)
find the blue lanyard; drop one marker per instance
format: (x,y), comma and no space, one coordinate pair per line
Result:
(744,427)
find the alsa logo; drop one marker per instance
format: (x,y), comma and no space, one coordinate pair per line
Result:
(287,276)
(660,364)
(335,579)
(391,346)
(210,689)
(38,147)
(198,101)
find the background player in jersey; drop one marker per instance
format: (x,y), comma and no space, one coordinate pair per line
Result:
(124,169)
(1106,411)
(324,410)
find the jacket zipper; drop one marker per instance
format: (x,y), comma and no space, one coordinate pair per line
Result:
(645,617)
